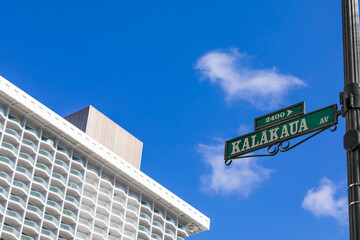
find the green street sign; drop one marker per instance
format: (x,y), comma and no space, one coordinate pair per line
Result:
(293,128)
(280,116)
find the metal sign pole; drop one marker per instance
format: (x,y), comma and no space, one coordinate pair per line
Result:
(351,109)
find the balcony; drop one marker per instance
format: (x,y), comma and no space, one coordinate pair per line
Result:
(182,229)
(34,212)
(132,211)
(73,189)
(6,164)
(13,218)
(32,132)
(84,225)
(131,223)
(170,233)
(99,232)
(91,185)
(92,173)
(39,184)
(106,181)
(159,213)
(43,168)
(31,227)
(59,179)
(133,198)
(101,220)
(48,234)
(171,221)
(72,202)
(53,207)
(14,122)
(5,179)
(66,231)
(105,192)
(50,222)
(87,212)
(129,234)
(56,193)
(61,164)
(26,237)
(117,216)
(63,152)
(26,157)
(69,216)
(146,204)
(29,146)
(103,207)
(76,175)
(19,188)
(145,217)
(157,225)
(17,202)
(45,156)
(81,236)
(47,143)
(120,190)
(12,150)
(38,196)
(115,227)
(78,163)
(155,236)
(13,134)
(89,198)
(118,203)
(10,233)
(179,238)
(144,230)
(22,174)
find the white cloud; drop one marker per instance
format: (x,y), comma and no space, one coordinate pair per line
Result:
(264,88)
(321,201)
(240,178)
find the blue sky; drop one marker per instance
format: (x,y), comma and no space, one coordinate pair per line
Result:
(183,77)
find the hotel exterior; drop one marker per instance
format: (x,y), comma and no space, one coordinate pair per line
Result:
(79,178)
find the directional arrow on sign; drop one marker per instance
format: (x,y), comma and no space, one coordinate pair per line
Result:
(280,116)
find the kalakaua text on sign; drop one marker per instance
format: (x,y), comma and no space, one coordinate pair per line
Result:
(310,122)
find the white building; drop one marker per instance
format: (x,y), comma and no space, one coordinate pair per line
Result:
(58,182)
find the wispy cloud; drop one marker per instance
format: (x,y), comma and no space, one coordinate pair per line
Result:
(240,178)
(321,201)
(263,88)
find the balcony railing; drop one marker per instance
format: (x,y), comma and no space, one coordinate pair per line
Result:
(59,177)
(7,161)
(27,157)
(30,144)
(9,146)
(144,229)
(43,167)
(5,176)
(72,200)
(11,230)
(37,195)
(32,224)
(32,130)
(18,200)
(52,219)
(48,233)
(13,133)
(24,171)
(155,236)
(54,205)
(35,209)
(68,228)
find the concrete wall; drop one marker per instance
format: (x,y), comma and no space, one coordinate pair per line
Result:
(108,133)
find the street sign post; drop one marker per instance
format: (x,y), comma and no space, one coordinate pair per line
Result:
(280,116)
(284,131)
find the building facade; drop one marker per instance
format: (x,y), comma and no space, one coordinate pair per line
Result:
(57,182)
